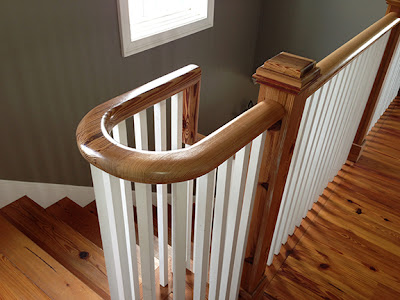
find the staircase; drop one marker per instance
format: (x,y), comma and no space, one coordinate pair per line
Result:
(56,253)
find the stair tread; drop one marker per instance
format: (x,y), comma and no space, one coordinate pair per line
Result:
(78,218)
(163,293)
(79,255)
(15,285)
(37,265)
(91,207)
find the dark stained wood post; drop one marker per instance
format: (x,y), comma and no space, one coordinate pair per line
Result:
(362,131)
(284,79)
(191,99)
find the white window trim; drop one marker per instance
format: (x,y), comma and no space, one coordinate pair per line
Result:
(189,26)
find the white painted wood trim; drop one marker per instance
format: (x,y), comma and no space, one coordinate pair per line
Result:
(257,148)
(44,194)
(121,136)
(110,214)
(160,137)
(202,232)
(179,209)
(130,47)
(236,194)
(219,226)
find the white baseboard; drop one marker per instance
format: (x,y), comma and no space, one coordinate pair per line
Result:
(46,194)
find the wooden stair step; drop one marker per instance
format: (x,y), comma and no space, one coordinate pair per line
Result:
(79,255)
(166,292)
(15,285)
(42,270)
(78,218)
(91,207)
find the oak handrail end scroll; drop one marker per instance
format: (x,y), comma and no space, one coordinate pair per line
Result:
(101,150)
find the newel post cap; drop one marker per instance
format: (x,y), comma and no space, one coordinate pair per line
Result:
(393,6)
(287,71)
(393,2)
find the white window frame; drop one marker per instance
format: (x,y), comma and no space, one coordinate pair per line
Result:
(178,25)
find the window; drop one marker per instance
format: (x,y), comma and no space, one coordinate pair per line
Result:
(145,24)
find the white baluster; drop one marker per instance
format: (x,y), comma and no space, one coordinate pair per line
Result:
(189,217)
(257,149)
(202,232)
(219,226)
(145,214)
(160,132)
(176,121)
(111,218)
(236,193)
(179,207)
(121,136)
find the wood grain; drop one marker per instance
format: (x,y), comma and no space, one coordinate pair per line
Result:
(77,218)
(14,285)
(42,269)
(80,256)
(277,155)
(351,248)
(191,100)
(99,149)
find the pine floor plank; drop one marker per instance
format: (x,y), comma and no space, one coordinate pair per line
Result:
(15,285)
(350,249)
(78,218)
(91,207)
(80,256)
(42,269)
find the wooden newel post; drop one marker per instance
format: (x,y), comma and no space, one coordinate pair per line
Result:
(362,131)
(283,79)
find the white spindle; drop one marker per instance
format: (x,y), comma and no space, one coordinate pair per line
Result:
(109,207)
(319,175)
(204,209)
(257,148)
(160,132)
(236,193)
(318,135)
(282,228)
(176,121)
(308,153)
(144,214)
(389,88)
(189,216)
(325,136)
(279,221)
(121,136)
(179,207)
(219,226)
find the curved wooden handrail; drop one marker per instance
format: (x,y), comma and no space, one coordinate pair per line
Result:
(338,59)
(101,150)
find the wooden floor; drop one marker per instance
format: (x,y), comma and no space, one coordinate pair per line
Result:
(348,247)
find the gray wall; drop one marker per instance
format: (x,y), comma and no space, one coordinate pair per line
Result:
(312,28)
(59,59)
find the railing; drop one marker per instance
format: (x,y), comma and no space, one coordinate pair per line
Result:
(355,86)
(224,164)
(255,178)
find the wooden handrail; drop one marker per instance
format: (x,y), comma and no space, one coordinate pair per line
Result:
(334,62)
(101,150)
